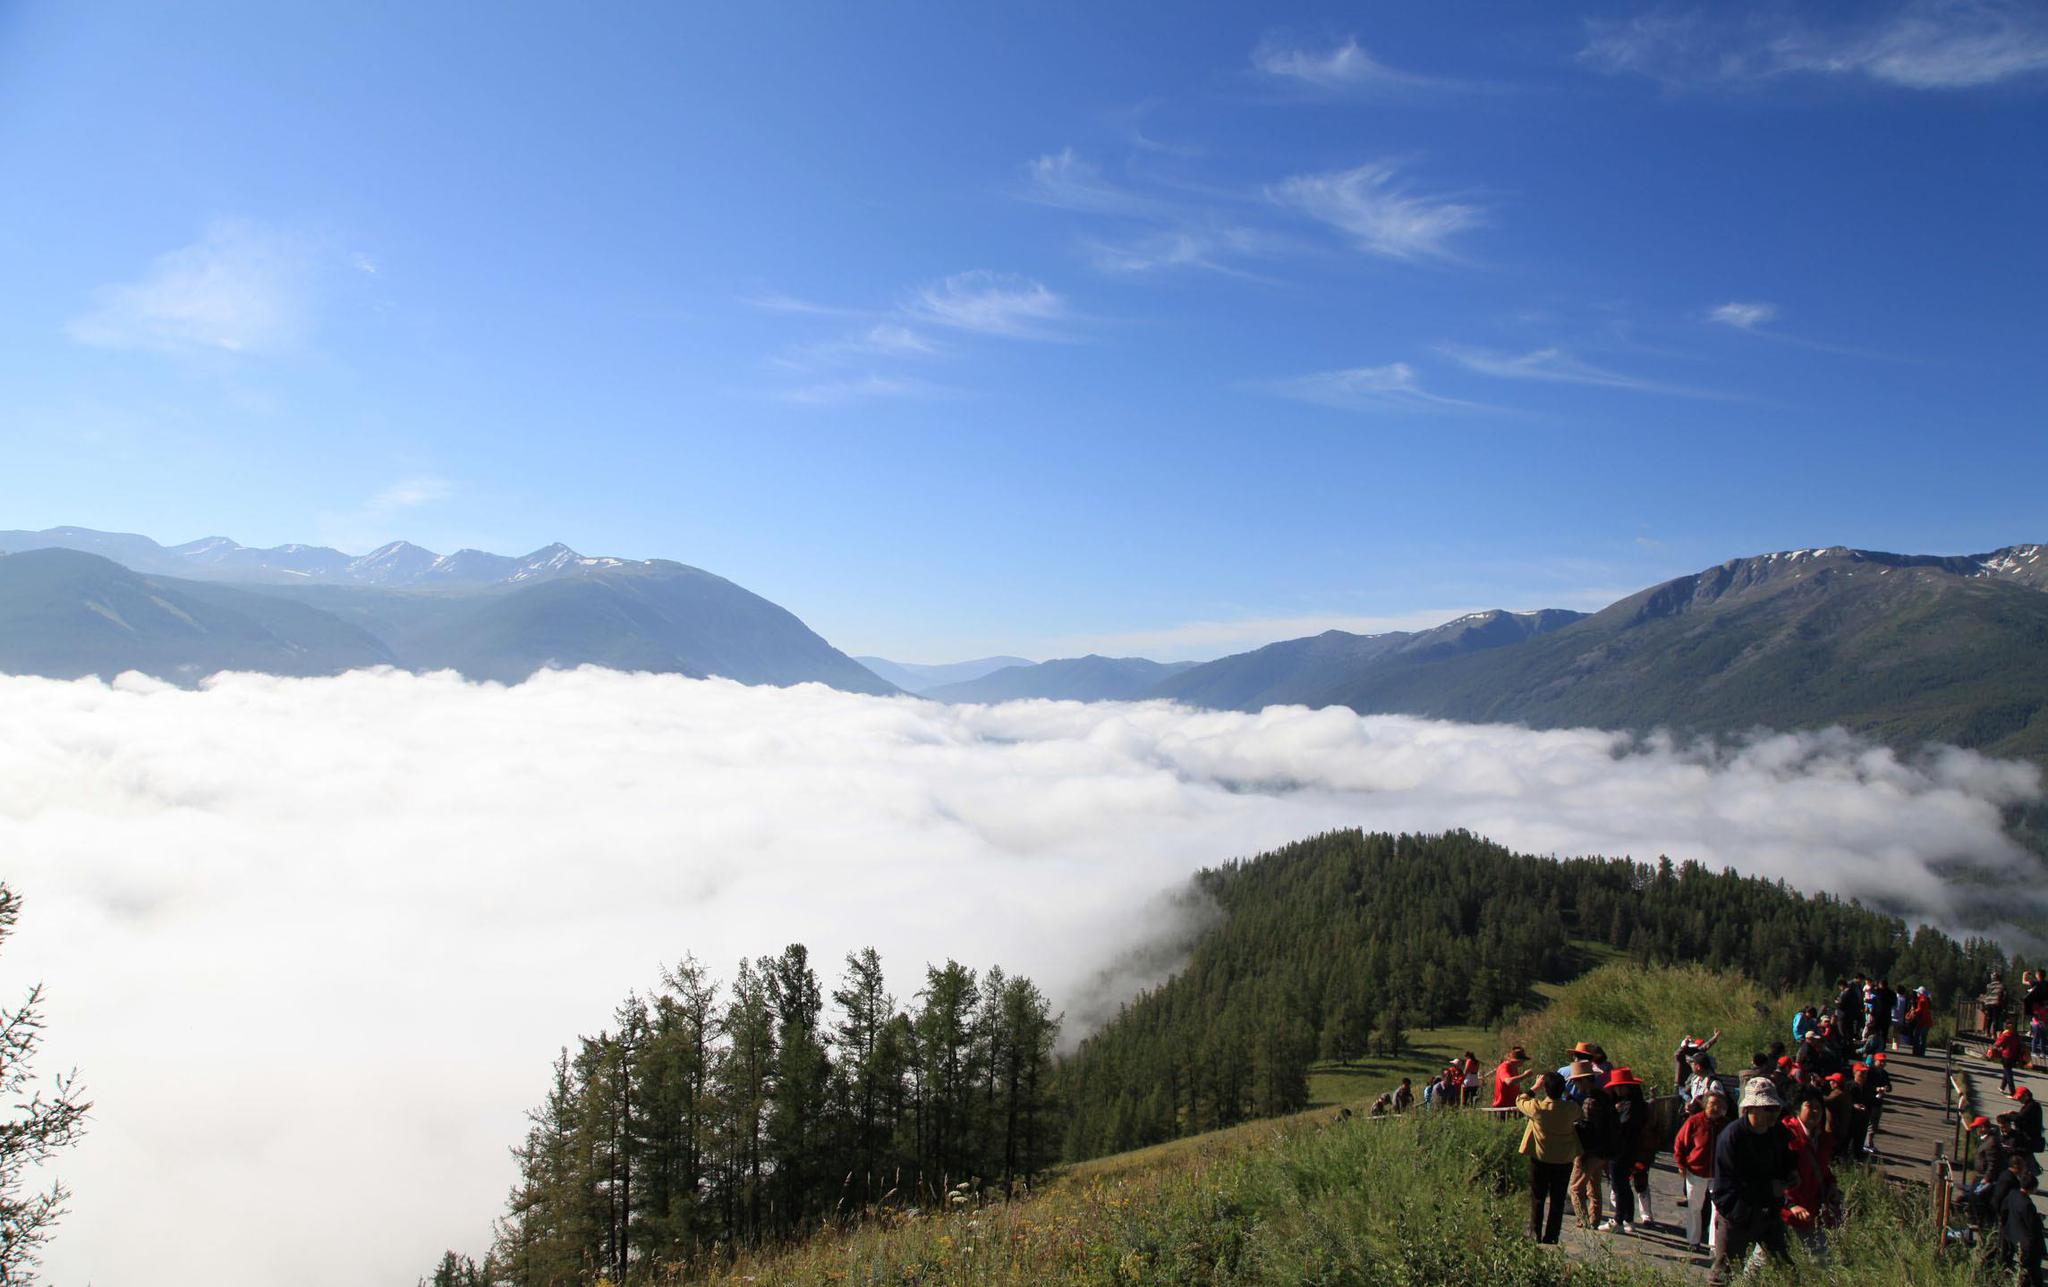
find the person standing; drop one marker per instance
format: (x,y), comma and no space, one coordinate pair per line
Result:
(1633,1141)
(1753,1166)
(1507,1078)
(1551,1143)
(1404,1095)
(1878,1028)
(1693,1153)
(2005,1049)
(1849,1009)
(1596,1142)
(2019,1231)
(1920,1020)
(1691,1050)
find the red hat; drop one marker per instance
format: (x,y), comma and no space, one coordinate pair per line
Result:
(1584,1050)
(1980,1121)
(1784,1061)
(1836,1077)
(2022,1093)
(1623,1076)
(1878,1057)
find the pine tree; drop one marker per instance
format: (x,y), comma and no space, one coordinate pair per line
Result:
(41,1124)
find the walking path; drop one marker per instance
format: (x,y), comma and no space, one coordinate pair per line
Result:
(1915,1123)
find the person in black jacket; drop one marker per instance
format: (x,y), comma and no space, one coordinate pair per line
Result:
(2025,1121)
(2019,1229)
(1754,1163)
(1597,1141)
(1849,1010)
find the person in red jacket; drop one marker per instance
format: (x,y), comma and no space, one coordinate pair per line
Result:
(1919,1019)
(1507,1084)
(2006,1050)
(1693,1151)
(1808,1197)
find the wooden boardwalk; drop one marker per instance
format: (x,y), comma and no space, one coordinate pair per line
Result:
(1916,1125)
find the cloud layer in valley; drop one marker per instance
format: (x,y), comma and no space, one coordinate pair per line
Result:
(314,942)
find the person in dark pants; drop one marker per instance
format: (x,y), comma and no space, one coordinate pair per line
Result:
(2006,1050)
(1633,1143)
(2019,1231)
(1753,1166)
(1551,1143)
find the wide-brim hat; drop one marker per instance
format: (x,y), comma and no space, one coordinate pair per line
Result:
(1760,1093)
(1582,1068)
(1584,1050)
(1623,1076)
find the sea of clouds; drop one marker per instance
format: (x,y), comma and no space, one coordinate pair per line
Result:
(314,942)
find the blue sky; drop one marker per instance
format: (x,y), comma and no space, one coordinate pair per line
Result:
(1162,329)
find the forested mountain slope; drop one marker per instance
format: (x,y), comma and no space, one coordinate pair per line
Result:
(1326,942)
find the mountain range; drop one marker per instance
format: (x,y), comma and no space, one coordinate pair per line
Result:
(915,677)
(75,602)
(1906,648)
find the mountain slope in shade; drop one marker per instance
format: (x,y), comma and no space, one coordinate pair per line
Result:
(1084,679)
(67,614)
(913,677)
(1301,671)
(1906,648)
(657,616)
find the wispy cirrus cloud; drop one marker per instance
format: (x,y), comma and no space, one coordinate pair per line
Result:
(990,303)
(856,365)
(1743,315)
(1919,44)
(408,493)
(1383,212)
(1068,181)
(1392,387)
(240,288)
(1554,365)
(1155,232)
(1345,67)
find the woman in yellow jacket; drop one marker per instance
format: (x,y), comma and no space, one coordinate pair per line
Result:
(1551,1141)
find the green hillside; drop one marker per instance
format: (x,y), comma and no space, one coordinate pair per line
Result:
(1338,946)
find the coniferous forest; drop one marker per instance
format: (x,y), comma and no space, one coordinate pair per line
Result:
(709,1118)
(1337,945)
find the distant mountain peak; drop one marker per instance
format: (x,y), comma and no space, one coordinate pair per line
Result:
(392,565)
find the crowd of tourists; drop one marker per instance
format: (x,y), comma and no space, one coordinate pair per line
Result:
(1756,1146)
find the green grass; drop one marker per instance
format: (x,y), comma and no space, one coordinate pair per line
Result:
(1421,1201)
(1423,1055)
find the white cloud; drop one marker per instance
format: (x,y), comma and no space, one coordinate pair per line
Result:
(407,493)
(1070,182)
(1383,214)
(1343,67)
(1921,44)
(241,288)
(990,303)
(1393,387)
(314,942)
(1556,366)
(1743,315)
(1210,248)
